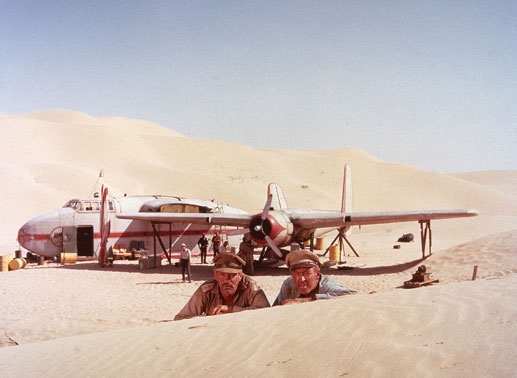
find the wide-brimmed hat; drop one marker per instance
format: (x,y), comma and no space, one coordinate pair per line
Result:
(228,262)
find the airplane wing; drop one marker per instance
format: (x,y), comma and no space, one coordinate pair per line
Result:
(338,219)
(237,220)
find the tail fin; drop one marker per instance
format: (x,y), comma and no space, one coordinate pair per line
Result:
(278,201)
(347,202)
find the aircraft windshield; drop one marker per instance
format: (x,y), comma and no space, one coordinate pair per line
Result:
(74,204)
(89,205)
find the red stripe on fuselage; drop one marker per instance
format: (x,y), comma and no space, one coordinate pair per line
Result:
(132,234)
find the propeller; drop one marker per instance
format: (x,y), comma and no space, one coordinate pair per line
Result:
(273,246)
(259,228)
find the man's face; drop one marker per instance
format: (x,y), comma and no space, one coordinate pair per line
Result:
(228,282)
(306,279)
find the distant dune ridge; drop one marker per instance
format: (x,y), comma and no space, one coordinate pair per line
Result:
(48,157)
(457,328)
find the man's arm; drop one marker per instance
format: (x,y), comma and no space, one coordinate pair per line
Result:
(259,300)
(287,291)
(330,288)
(194,307)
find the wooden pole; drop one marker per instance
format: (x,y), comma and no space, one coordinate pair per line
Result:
(475,273)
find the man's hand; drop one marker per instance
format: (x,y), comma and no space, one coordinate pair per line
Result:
(295,300)
(221,309)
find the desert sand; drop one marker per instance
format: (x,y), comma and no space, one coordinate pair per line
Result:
(81,320)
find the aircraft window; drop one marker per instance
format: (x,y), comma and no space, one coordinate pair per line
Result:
(96,206)
(172,208)
(72,204)
(87,206)
(191,209)
(110,206)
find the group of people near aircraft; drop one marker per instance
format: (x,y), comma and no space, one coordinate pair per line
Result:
(232,291)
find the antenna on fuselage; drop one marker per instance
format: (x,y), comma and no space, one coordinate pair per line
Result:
(99,180)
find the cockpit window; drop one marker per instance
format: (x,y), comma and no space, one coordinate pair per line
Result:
(94,206)
(74,204)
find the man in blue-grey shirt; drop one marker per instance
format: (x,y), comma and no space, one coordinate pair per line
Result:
(306,282)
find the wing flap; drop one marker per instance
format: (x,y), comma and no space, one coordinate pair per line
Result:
(240,220)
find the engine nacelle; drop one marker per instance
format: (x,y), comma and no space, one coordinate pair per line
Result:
(276,225)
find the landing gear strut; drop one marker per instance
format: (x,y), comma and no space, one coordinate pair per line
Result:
(341,236)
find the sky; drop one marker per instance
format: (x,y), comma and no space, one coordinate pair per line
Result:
(432,84)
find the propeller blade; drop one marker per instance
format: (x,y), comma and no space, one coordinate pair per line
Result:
(240,231)
(273,246)
(266,207)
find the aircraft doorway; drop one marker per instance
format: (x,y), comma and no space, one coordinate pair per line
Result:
(85,241)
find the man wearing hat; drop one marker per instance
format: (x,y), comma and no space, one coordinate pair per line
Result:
(306,282)
(247,250)
(185,257)
(229,291)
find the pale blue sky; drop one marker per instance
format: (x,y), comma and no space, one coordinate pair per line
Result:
(432,84)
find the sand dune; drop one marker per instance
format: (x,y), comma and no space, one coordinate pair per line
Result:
(49,157)
(86,321)
(505,181)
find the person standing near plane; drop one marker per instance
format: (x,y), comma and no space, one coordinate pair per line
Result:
(203,245)
(229,291)
(225,247)
(185,258)
(246,250)
(306,282)
(216,242)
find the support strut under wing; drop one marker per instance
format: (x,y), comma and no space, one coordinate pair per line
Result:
(423,236)
(157,236)
(341,236)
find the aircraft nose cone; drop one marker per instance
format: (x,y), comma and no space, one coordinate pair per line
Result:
(23,236)
(35,235)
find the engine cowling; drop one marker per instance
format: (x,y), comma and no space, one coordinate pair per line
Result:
(276,225)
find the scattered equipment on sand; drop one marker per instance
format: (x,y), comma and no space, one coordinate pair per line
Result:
(420,278)
(406,238)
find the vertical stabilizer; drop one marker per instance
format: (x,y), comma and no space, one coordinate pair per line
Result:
(347,203)
(278,200)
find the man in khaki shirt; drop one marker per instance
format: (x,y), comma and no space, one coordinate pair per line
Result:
(229,291)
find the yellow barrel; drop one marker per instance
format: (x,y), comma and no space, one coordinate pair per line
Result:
(319,244)
(334,252)
(17,264)
(4,264)
(68,258)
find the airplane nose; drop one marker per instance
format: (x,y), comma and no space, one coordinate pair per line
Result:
(35,235)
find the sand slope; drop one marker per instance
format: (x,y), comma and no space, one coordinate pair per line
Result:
(416,333)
